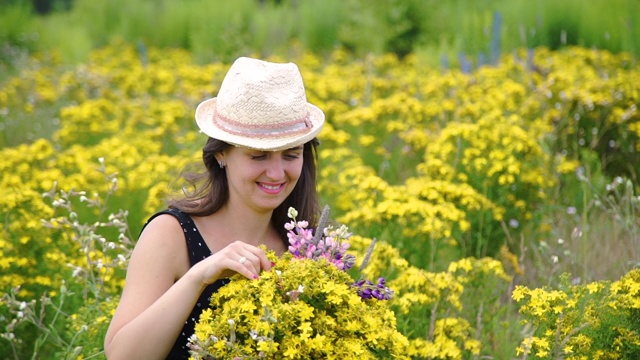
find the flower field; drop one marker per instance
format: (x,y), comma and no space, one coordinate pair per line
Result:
(504,201)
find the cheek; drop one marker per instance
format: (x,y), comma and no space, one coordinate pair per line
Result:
(244,175)
(294,170)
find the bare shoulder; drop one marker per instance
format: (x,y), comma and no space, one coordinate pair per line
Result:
(166,225)
(162,242)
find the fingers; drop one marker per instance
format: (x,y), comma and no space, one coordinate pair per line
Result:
(237,257)
(245,263)
(248,260)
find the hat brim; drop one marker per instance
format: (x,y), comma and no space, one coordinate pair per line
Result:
(204,119)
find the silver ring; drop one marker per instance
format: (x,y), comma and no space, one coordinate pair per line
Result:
(242,260)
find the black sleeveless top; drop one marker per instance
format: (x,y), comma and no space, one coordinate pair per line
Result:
(198,250)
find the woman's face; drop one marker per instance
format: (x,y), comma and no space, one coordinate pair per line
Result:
(261,180)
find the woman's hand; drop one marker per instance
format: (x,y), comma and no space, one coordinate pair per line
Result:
(237,257)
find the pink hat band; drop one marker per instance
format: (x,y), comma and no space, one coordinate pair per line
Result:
(294,127)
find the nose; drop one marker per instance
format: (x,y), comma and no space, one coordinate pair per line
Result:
(275,169)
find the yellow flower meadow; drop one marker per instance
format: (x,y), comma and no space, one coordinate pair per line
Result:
(435,163)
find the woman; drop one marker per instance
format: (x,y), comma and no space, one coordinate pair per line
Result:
(260,160)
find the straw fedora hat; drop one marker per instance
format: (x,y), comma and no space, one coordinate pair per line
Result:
(261,105)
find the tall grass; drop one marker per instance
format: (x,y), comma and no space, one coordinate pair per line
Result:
(17,37)
(319,29)
(609,25)
(596,240)
(223,30)
(461,26)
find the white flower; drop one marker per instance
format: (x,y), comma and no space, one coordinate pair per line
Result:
(576,233)
(292,213)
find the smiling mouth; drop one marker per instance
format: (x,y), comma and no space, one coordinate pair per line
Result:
(271,188)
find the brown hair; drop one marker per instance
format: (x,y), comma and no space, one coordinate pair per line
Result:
(211,190)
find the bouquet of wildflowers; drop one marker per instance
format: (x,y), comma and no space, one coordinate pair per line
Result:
(306,307)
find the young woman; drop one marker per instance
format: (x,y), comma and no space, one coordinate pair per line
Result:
(260,159)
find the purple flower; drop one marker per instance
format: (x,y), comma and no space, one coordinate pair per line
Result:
(331,244)
(367,290)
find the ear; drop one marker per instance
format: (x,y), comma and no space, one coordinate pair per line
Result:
(219,156)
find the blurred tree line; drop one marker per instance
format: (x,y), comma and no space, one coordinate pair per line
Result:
(42,7)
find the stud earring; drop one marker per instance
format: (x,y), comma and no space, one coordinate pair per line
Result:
(222,164)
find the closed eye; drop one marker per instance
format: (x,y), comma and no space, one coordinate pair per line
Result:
(291,157)
(294,153)
(290,154)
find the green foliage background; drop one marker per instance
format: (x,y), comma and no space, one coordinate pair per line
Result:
(221,30)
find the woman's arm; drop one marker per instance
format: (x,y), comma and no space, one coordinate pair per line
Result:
(154,306)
